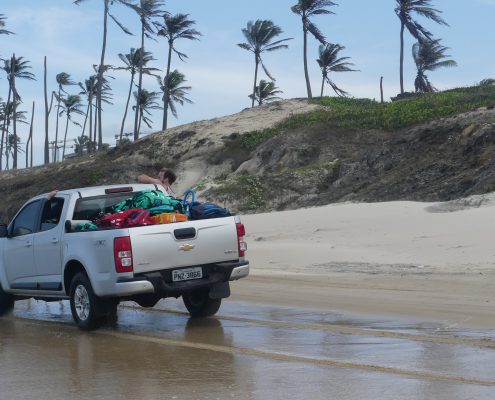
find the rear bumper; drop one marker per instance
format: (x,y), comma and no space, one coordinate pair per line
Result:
(160,282)
(130,288)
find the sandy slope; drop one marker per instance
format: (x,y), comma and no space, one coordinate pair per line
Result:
(419,261)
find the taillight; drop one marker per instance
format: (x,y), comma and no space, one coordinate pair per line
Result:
(122,253)
(242,245)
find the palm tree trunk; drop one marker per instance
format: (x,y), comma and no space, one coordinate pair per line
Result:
(46,151)
(14,161)
(30,140)
(126,106)
(166,98)
(402,58)
(100,75)
(95,142)
(65,136)
(85,121)
(256,63)
(322,85)
(5,126)
(140,84)
(56,126)
(381,89)
(90,146)
(140,119)
(305,55)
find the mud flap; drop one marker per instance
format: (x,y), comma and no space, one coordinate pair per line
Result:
(220,290)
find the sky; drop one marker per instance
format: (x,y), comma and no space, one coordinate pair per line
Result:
(219,72)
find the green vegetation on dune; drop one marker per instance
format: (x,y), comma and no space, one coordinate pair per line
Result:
(365,113)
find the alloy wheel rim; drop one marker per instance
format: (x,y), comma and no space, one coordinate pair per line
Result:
(81,302)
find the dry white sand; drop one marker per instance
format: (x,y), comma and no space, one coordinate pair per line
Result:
(418,261)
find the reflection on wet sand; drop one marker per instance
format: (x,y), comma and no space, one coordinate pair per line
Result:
(166,355)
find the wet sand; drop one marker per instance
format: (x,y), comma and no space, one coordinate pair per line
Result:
(247,352)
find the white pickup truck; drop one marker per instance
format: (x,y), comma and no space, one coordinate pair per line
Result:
(42,256)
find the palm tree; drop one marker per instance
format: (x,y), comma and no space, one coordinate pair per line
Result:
(146,102)
(404,10)
(259,36)
(329,61)
(15,68)
(173,91)
(147,11)
(71,105)
(89,90)
(12,146)
(2,25)
(101,66)
(175,27)
(266,92)
(7,114)
(307,9)
(63,79)
(80,143)
(135,61)
(429,56)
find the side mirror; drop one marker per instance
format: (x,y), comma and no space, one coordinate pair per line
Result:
(3,231)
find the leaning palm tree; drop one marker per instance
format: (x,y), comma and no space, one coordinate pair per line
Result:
(259,36)
(175,27)
(71,105)
(147,10)
(15,68)
(146,103)
(307,9)
(265,92)
(2,25)
(135,61)
(329,61)
(89,90)
(63,79)
(173,91)
(101,67)
(429,56)
(405,10)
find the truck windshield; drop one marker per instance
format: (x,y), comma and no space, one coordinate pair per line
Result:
(92,208)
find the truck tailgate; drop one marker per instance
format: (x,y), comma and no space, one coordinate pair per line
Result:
(158,247)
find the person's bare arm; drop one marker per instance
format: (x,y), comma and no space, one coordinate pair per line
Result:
(148,179)
(52,194)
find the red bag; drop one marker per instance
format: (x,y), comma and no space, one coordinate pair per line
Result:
(125,219)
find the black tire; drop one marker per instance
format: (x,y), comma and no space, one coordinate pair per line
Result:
(147,300)
(88,310)
(199,303)
(6,302)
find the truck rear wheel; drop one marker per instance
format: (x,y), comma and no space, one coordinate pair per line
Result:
(199,303)
(86,307)
(6,302)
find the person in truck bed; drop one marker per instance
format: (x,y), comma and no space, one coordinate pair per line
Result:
(166,178)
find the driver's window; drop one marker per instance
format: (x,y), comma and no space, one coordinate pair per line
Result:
(27,220)
(52,211)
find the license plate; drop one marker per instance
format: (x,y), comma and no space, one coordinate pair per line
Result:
(187,274)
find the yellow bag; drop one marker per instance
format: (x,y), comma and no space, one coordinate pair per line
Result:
(168,218)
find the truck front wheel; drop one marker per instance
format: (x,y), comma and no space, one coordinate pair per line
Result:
(6,302)
(199,303)
(86,307)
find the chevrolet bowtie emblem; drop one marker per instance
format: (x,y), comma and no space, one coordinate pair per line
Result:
(186,247)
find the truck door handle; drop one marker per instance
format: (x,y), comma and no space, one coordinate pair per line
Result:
(28,244)
(54,241)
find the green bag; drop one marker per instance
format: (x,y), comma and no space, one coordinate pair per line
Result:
(150,198)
